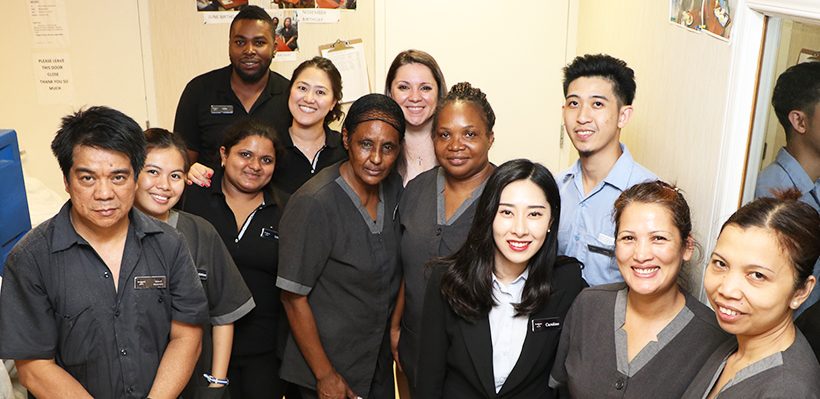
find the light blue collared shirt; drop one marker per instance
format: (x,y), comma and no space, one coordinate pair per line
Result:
(507,331)
(786,172)
(587,231)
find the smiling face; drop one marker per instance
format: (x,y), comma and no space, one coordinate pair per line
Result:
(373,148)
(750,282)
(649,249)
(311,97)
(521,224)
(249,164)
(461,140)
(251,49)
(101,186)
(592,116)
(161,182)
(415,89)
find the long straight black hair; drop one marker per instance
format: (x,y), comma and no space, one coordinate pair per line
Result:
(467,282)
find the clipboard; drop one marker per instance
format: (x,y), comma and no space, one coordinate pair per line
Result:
(807,55)
(348,57)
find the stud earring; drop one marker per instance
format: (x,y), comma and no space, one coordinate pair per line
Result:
(795,304)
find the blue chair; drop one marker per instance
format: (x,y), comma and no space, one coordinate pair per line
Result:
(14,216)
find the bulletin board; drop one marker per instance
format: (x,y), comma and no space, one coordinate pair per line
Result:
(183,47)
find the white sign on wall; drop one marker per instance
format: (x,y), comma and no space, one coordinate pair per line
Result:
(52,74)
(49,24)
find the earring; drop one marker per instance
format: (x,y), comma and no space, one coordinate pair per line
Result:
(548,231)
(795,304)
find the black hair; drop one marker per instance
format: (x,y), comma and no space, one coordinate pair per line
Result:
(160,138)
(326,66)
(99,127)
(795,224)
(243,128)
(605,67)
(255,13)
(472,95)
(373,107)
(467,282)
(797,89)
(415,57)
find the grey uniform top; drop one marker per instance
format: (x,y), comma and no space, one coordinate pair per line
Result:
(792,373)
(59,301)
(426,233)
(348,267)
(228,297)
(592,359)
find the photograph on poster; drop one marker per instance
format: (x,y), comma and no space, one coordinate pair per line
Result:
(711,16)
(286,26)
(333,4)
(221,5)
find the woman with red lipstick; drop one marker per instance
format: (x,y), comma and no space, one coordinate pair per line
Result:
(159,187)
(415,81)
(339,268)
(644,337)
(493,310)
(245,207)
(760,272)
(437,207)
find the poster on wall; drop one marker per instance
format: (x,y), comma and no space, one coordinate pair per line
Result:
(328,4)
(220,5)
(49,24)
(714,17)
(286,26)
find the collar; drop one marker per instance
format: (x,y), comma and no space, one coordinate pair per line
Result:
(796,172)
(618,176)
(521,279)
(333,138)
(64,236)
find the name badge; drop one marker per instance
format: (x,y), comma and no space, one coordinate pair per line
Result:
(146,282)
(539,325)
(269,233)
(202,273)
(600,250)
(221,109)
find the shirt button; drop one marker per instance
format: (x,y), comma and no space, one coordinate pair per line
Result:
(106,274)
(123,352)
(117,313)
(619,384)
(159,300)
(438,231)
(583,205)
(577,237)
(129,390)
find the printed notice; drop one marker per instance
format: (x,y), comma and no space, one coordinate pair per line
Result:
(319,16)
(49,24)
(52,72)
(218,17)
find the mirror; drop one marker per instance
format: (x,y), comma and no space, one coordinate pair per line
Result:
(787,42)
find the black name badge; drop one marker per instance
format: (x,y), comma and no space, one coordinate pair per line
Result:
(269,233)
(202,273)
(221,109)
(146,282)
(539,325)
(600,250)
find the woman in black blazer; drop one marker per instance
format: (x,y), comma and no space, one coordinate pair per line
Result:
(493,311)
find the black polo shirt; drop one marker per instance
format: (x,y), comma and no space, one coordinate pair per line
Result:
(59,302)
(296,169)
(208,105)
(255,250)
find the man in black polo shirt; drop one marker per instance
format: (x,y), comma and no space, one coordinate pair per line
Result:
(246,88)
(101,300)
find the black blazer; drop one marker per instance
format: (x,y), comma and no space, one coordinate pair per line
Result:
(456,356)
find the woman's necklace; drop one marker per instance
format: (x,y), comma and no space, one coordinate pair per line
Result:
(304,148)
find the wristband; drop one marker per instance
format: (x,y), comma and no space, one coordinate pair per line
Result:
(214,380)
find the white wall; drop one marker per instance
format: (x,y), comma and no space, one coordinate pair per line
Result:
(106,65)
(514,55)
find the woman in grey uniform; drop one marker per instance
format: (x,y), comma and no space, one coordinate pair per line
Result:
(760,272)
(339,265)
(159,187)
(643,337)
(437,207)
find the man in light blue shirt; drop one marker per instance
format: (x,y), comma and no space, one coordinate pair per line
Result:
(796,101)
(599,90)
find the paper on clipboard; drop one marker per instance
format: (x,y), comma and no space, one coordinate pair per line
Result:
(348,57)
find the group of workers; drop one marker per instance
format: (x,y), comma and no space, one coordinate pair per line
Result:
(255,252)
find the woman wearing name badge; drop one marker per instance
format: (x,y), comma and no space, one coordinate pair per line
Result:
(493,310)
(159,187)
(245,207)
(437,207)
(339,267)
(644,337)
(760,272)
(310,144)
(415,81)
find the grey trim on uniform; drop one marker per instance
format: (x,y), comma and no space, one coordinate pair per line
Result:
(292,286)
(235,315)
(173,218)
(652,348)
(441,211)
(768,362)
(375,228)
